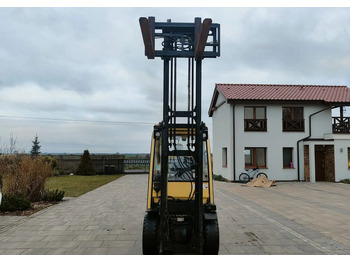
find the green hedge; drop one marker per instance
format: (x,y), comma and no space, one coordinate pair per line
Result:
(14,203)
(219,178)
(53,196)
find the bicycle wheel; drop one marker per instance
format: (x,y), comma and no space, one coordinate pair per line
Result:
(244,178)
(261,174)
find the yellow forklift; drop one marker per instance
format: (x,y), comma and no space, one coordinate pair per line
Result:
(181,215)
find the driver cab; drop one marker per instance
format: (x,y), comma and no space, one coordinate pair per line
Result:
(181,170)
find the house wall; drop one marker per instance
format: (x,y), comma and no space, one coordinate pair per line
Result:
(274,140)
(222,138)
(341,158)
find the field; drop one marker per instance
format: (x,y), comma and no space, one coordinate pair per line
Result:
(74,186)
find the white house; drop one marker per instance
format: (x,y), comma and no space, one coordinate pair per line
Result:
(288,131)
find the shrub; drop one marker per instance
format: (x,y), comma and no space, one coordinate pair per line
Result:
(0,189)
(26,177)
(8,162)
(53,163)
(53,196)
(50,160)
(86,168)
(346,181)
(58,172)
(14,203)
(219,178)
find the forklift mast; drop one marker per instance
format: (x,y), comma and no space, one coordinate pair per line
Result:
(194,42)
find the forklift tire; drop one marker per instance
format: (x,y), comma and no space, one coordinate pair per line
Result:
(211,237)
(149,235)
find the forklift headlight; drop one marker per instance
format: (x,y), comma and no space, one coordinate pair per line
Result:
(205,136)
(157,135)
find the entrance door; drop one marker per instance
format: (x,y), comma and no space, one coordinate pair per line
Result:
(320,163)
(324,163)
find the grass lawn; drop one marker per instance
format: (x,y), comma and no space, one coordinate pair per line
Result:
(74,186)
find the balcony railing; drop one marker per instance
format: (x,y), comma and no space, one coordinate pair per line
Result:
(255,124)
(341,125)
(293,125)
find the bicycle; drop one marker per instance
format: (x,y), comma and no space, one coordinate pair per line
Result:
(250,174)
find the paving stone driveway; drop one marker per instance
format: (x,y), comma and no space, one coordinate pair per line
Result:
(290,218)
(107,220)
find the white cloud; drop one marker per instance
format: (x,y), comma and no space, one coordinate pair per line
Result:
(89,64)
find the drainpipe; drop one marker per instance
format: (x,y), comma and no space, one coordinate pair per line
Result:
(234,143)
(305,138)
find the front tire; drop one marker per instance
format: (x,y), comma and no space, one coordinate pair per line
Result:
(211,237)
(244,178)
(150,234)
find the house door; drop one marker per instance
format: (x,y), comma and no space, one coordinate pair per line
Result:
(320,163)
(324,163)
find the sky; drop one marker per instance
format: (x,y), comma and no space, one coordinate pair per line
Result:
(78,77)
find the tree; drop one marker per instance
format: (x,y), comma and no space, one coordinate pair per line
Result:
(35,148)
(13,141)
(86,168)
(12,149)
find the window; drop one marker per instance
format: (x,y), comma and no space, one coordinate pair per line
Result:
(181,167)
(224,157)
(288,157)
(255,157)
(349,157)
(255,118)
(293,119)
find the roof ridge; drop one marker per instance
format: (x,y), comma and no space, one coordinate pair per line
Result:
(325,93)
(297,85)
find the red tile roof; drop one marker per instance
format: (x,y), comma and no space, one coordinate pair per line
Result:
(328,94)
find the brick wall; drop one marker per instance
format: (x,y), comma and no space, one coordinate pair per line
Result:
(329,163)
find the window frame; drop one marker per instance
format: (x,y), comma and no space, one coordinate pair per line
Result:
(255,121)
(291,154)
(254,157)
(293,122)
(224,157)
(349,158)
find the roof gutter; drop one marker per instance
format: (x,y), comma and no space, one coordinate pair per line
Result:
(305,138)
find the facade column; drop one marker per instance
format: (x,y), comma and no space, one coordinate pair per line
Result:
(312,163)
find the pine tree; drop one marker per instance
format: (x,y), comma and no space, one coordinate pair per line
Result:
(35,148)
(86,168)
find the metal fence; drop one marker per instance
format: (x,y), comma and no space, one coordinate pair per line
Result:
(105,164)
(136,166)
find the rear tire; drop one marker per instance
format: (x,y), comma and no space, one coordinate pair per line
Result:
(261,174)
(211,237)
(244,178)
(150,234)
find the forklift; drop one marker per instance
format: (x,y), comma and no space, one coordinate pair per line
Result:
(181,215)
